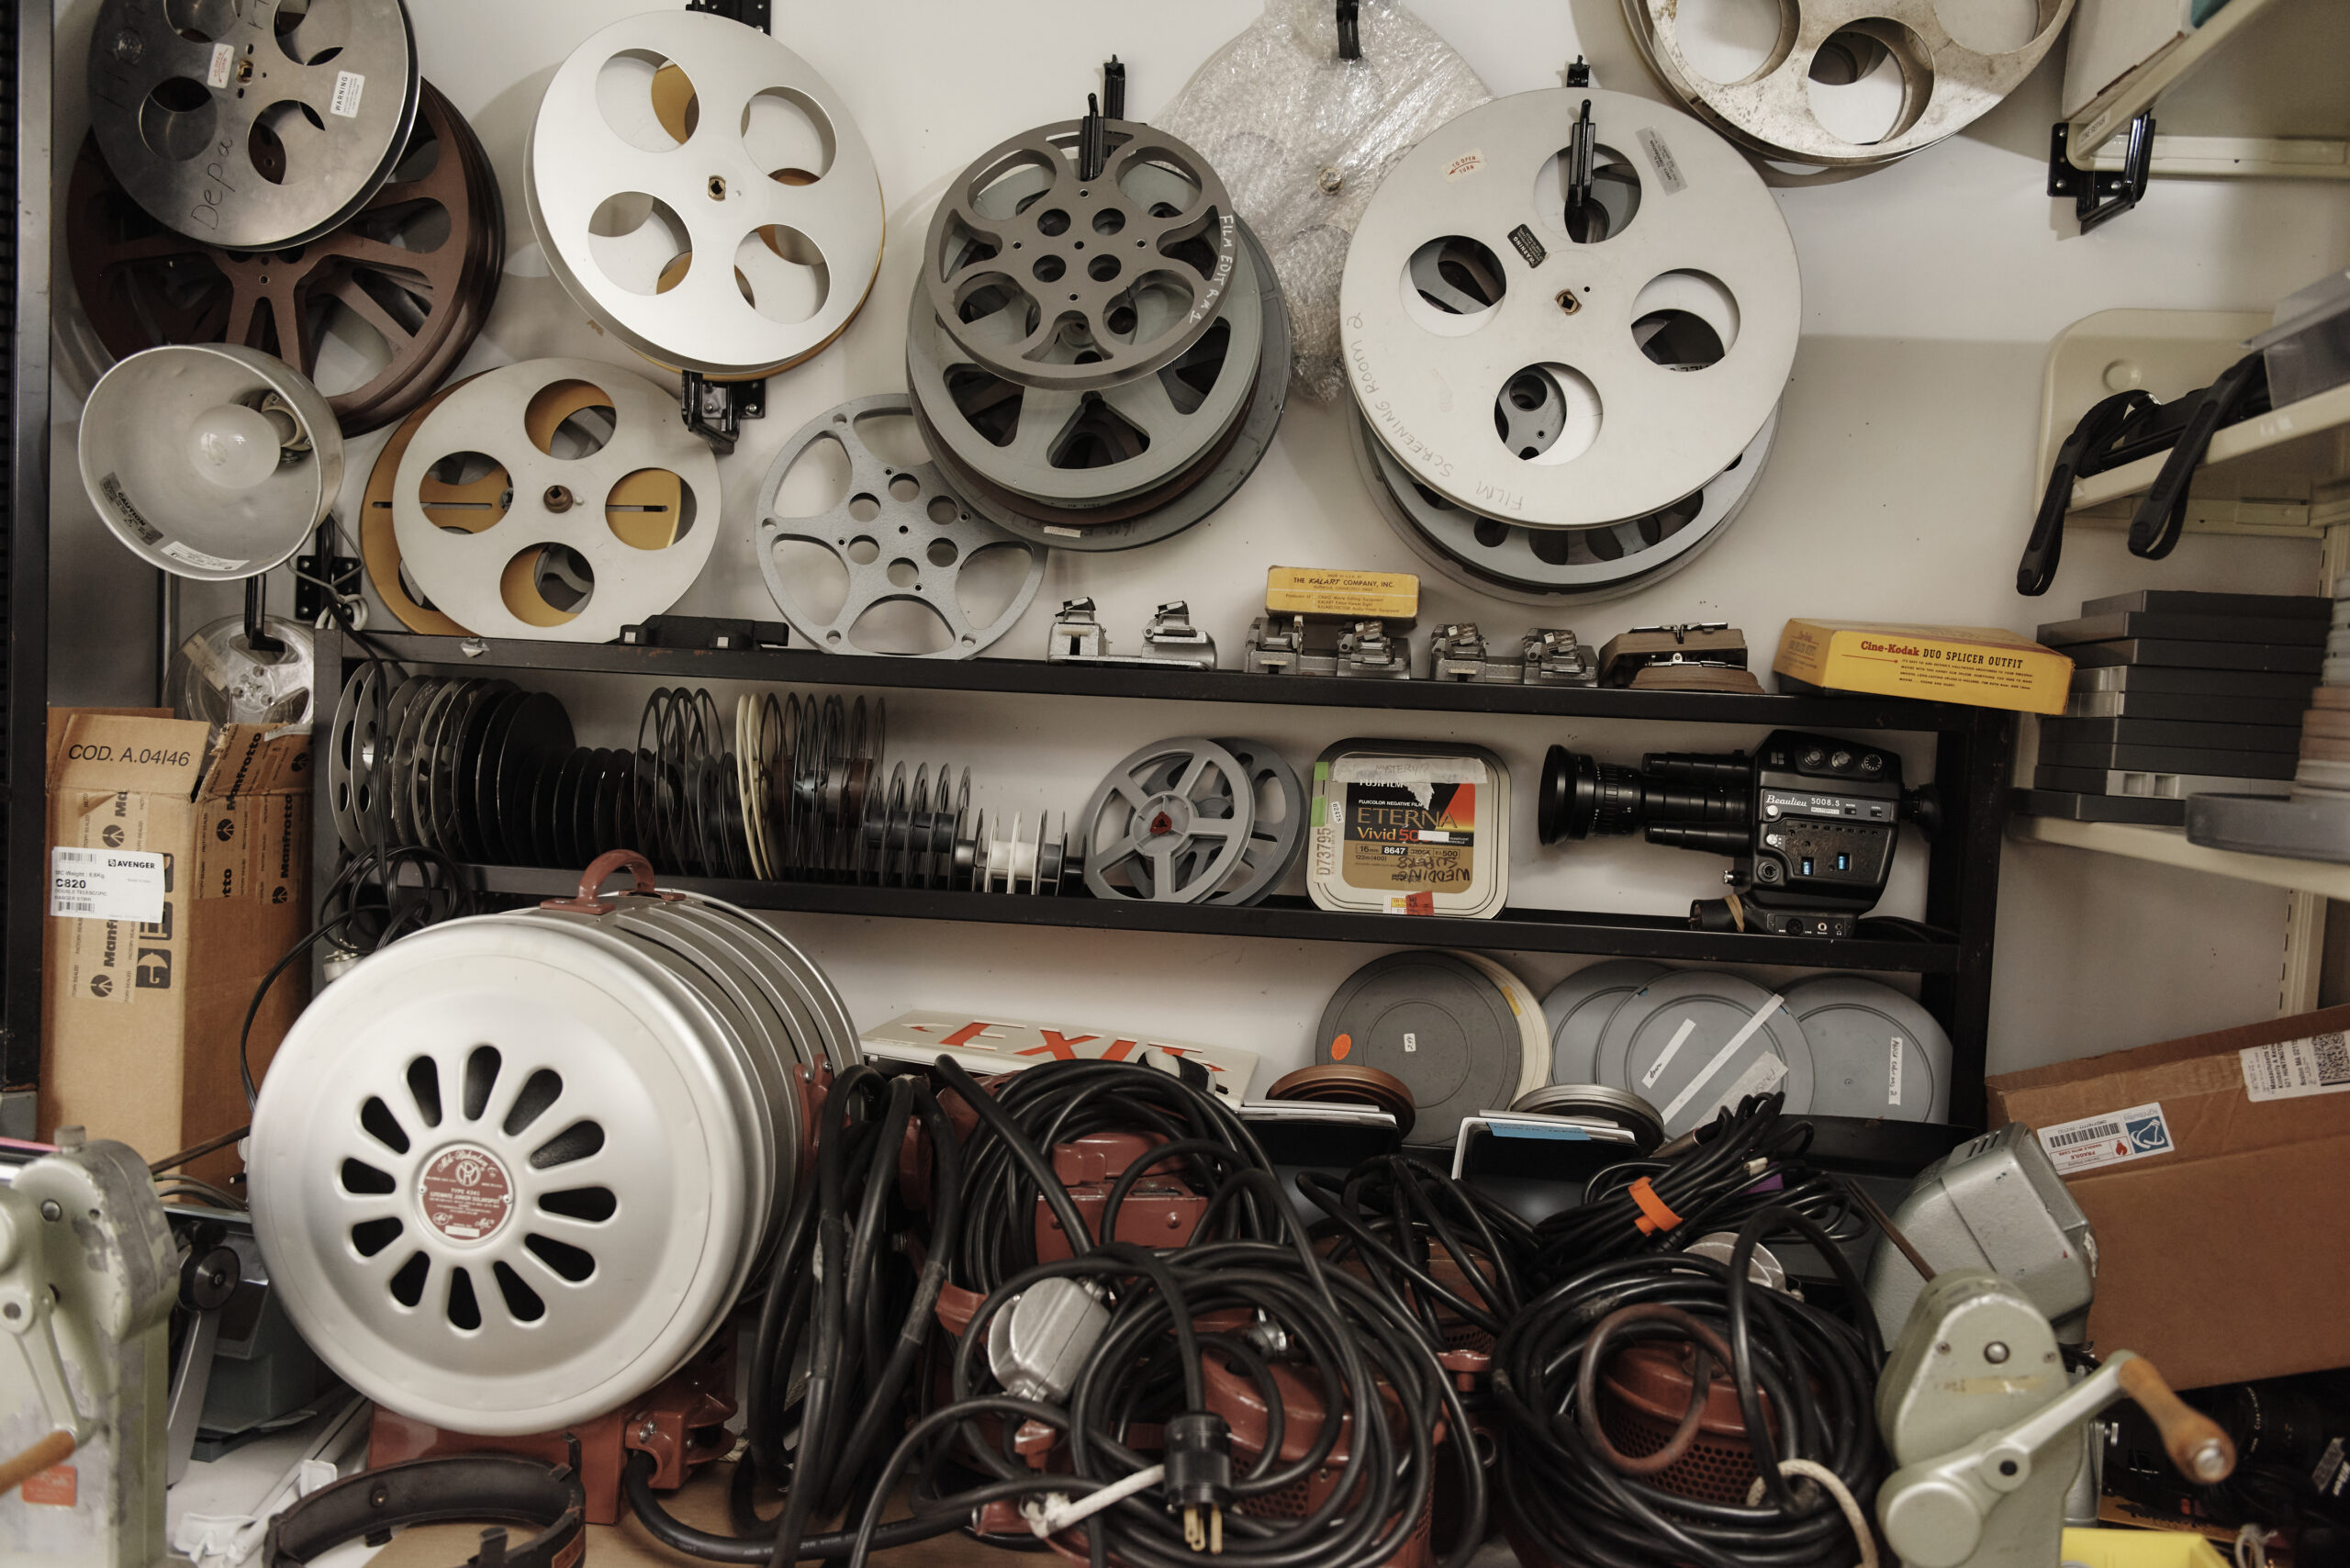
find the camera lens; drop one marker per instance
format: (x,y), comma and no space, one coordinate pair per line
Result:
(1581,796)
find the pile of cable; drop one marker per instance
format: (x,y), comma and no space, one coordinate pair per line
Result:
(1568,316)
(1097,353)
(1233,1393)
(1672,1410)
(1453,1257)
(1747,1160)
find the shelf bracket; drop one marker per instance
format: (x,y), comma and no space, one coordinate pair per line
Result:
(2097,194)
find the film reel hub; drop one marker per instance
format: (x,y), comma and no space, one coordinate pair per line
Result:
(702,192)
(1550,381)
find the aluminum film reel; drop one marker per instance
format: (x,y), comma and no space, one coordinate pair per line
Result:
(1934,82)
(1164,512)
(256,126)
(899,534)
(1274,839)
(1558,382)
(702,192)
(360,727)
(511,539)
(1084,448)
(1170,823)
(1007,270)
(1555,566)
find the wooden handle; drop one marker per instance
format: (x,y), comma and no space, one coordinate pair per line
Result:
(2193,1441)
(54,1448)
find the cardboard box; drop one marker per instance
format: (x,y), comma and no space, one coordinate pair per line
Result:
(1981,667)
(2212,1170)
(179,862)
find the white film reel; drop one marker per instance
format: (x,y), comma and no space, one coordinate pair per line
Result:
(1557,382)
(704,195)
(558,498)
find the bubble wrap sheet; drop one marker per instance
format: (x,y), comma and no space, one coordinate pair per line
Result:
(1282,119)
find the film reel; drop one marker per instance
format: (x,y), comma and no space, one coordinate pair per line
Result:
(379,545)
(253,127)
(1580,377)
(413,273)
(1555,566)
(1006,269)
(703,194)
(1164,512)
(1170,823)
(898,532)
(555,498)
(1274,838)
(1772,107)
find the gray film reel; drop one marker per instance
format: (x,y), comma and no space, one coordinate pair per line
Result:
(1555,566)
(1227,468)
(1072,448)
(557,514)
(1179,812)
(912,544)
(1274,843)
(242,126)
(1554,381)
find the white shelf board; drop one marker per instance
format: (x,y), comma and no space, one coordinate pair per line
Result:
(2302,447)
(2169,847)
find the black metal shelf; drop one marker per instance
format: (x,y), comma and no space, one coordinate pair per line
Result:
(1522,930)
(1042,677)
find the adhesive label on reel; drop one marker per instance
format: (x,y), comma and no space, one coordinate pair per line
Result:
(465,1193)
(1661,159)
(223,57)
(348,86)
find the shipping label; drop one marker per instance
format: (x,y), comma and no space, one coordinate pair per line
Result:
(105,884)
(2289,1069)
(2113,1138)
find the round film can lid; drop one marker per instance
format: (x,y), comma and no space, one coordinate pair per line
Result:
(1684,1043)
(1874,1052)
(1436,1023)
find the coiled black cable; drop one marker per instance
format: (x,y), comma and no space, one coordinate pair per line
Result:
(1576,1501)
(1389,1219)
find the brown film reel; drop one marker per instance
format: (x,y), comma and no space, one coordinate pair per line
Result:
(1345,1085)
(418,265)
(642,508)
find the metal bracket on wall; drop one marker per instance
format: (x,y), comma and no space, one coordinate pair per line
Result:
(715,411)
(2099,194)
(759,14)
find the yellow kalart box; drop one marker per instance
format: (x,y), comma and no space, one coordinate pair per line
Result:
(1393,596)
(1982,667)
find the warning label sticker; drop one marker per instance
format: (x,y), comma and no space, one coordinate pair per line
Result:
(466,1193)
(2108,1139)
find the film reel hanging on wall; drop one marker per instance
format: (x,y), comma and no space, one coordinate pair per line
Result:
(253,127)
(1095,365)
(704,195)
(403,285)
(558,498)
(1564,404)
(1841,85)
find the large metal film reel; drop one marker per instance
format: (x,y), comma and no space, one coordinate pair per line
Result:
(1049,279)
(1946,82)
(704,194)
(899,534)
(1554,566)
(1092,448)
(510,1173)
(1170,823)
(253,125)
(416,269)
(1171,507)
(510,535)
(1558,382)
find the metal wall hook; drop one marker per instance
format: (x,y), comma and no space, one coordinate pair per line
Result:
(1349,29)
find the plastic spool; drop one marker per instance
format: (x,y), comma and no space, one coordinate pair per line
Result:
(217,677)
(1273,841)
(1774,107)
(210,461)
(497,530)
(1637,1050)
(1578,1008)
(1544,382)
(1170,823)
(1438,1022)
(1874,1052)
(1543,566)
(251,127)
(510,1173)
(1006,269)
(659,187)
(898,532)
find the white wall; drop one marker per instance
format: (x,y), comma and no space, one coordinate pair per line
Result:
(1901,487)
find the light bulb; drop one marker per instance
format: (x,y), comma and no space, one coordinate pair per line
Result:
(234,446)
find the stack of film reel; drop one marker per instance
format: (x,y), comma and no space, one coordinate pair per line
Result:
(1096,357)
(279,178)
(1561,400)
(794,788)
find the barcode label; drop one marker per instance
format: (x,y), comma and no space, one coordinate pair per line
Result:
(2108,1139)
(71,906)
(105,884)
(2319,1064)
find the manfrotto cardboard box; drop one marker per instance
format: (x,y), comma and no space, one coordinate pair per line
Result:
(2212,1170)
(179,872)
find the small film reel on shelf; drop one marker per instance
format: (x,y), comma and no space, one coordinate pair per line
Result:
(1194,821)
